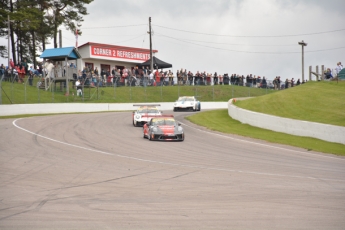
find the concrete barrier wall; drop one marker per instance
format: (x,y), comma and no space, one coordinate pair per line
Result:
(8,110)
(331,133)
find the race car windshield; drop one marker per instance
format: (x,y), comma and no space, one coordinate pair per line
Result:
(159,122)
(186,99)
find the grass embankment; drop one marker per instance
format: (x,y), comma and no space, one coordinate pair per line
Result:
(24,94)
(313,101)
(322,102)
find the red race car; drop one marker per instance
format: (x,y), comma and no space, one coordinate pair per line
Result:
(163,128)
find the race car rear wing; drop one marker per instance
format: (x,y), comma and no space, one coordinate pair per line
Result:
(146,105)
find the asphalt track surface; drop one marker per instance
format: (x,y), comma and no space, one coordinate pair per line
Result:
(95,171)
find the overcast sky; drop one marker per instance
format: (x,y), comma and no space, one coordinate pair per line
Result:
(224,36)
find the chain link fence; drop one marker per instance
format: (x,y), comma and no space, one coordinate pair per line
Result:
(26,90)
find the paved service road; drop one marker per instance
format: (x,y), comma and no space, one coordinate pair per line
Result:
(95,171)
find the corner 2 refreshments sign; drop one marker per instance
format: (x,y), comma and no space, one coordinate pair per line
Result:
(124,53)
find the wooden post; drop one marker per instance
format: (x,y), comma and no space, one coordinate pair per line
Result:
(310,70)
(322,72)
(317,73)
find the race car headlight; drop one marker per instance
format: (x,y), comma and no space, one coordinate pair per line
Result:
(175,103)
(154,129)
(192,103)
(137,116)
(180,129)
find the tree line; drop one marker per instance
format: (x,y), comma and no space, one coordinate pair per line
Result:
(34,22)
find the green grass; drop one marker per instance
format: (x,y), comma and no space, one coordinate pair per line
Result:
(219,120)
(25,94)
(322,102)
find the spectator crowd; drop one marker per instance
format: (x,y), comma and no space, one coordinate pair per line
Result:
(144,77)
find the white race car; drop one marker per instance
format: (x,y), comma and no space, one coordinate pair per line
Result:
(144,114)
(187,103)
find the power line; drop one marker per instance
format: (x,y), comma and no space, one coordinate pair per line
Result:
(107,27)
(254,52)
(254,36)
(224,43)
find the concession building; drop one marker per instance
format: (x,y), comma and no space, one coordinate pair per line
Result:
(106,57)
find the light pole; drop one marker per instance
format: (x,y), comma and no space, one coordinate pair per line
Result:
(302,43)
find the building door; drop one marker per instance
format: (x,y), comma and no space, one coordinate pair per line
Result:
(120,68)
(106,68)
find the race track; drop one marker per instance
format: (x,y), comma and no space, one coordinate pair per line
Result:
(95,171)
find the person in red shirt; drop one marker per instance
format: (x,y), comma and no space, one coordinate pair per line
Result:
(11,64)
(158,79)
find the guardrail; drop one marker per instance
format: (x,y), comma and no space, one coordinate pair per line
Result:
(331,133)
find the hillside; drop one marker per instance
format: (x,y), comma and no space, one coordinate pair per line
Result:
(322,102)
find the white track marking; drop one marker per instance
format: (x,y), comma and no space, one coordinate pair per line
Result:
(167,163)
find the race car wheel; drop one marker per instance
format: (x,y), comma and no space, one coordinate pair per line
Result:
(144,136)
(133,123)
(199,108)
(175,109)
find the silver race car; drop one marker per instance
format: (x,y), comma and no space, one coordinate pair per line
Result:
(187,103)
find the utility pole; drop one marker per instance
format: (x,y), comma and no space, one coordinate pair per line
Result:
(60,39)
(151,57)
(302,43)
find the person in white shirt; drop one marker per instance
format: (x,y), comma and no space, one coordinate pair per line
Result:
(151,78)
(338,68)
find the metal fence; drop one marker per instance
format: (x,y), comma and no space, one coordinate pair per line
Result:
(16,90)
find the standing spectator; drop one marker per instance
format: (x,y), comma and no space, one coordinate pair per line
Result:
(103,73)
(226,79)
(11,64)
(338,68)
(151,78)
(25,65)
(292,82)
(264,82)
(220,79)
(171,78)
(215,78)
(117,76)
(197,78)
(258,82)
(125,74)
(298,82)
(113,71)
(2,70)
(190,78)
(278,82)
(96,71)
(31,76)
(80,75)
(208,79)
(286,83)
